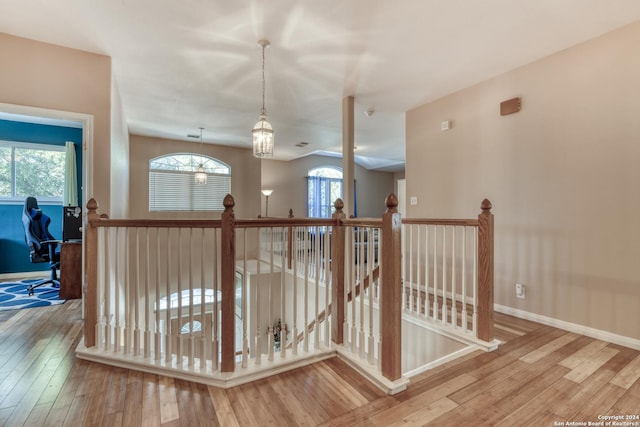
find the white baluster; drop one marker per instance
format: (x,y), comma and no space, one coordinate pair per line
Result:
(427,302)
(168,344)
(147,298)
(327,284)
(419,301)
(215,337)
(178,331)
(411,269)
(283,300)
(158,333)
(117,338)
(464,279)
(352,286)
(136,299)
(316,258)
(245,296)
(190,350)
(106,287)
(347,284)
(294,346)
(363,234)
(444,274)
(475,282)
(202,347)
(271,297)
(305,321)
(258,304)
(454,308)
(371,264)
(435,273)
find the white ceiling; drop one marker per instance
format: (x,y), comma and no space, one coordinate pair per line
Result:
(180,65)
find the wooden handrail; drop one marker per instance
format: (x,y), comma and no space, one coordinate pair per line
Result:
(157,223)
(454,222)
(362,222)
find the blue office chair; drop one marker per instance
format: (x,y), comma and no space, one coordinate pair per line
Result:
(42,245)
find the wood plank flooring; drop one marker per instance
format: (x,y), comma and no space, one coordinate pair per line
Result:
(539,376)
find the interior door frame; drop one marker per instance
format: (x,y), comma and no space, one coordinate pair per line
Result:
(86,121)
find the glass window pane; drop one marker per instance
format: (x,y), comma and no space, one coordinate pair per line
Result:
(188,162)
(39,173)
(324,187)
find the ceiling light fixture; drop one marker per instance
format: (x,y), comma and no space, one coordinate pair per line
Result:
(201,174)
(262,131)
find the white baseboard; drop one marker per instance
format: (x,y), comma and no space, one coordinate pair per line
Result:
(571,327)
(26,274)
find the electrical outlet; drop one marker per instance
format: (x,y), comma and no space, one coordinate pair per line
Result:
(520,291)
(413,200)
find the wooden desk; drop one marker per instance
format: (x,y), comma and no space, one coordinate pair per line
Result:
(71,270)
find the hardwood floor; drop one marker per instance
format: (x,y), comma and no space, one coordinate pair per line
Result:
(541,375)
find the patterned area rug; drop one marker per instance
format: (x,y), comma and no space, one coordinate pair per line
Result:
(14,295)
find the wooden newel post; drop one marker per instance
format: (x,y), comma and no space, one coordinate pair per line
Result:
(90,284)
(227,287)
(337,274)
(391,291)
(485,272)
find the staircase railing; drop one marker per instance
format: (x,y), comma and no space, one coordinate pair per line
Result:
(448,272)
(216,300)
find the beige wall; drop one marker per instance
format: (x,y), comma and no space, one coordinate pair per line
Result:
(288,180)
(42,75)
(245,175)
(563,176)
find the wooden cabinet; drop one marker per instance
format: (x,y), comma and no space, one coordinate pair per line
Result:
(71,270)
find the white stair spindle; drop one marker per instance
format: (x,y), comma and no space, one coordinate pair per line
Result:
(463,322)
(158,333)
(245,296)
(435,273)
(475,282)
(444,275)
(454,308)
(427,297)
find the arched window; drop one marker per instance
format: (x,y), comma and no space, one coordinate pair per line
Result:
(172,186)
(324,186)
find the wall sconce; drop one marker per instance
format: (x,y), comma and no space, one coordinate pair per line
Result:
(266,194)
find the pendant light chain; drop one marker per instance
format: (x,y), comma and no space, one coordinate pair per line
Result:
(262,132)
(264,110)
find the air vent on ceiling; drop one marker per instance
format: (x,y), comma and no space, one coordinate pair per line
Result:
(302,144)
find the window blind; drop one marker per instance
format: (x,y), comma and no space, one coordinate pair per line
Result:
(178,191)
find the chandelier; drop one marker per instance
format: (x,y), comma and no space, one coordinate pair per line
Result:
(201,174)
(262,131)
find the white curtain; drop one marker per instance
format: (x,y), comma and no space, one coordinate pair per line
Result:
(70,176)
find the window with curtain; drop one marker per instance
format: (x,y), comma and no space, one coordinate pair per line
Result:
(172,185)
(28,169)
(324,186)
